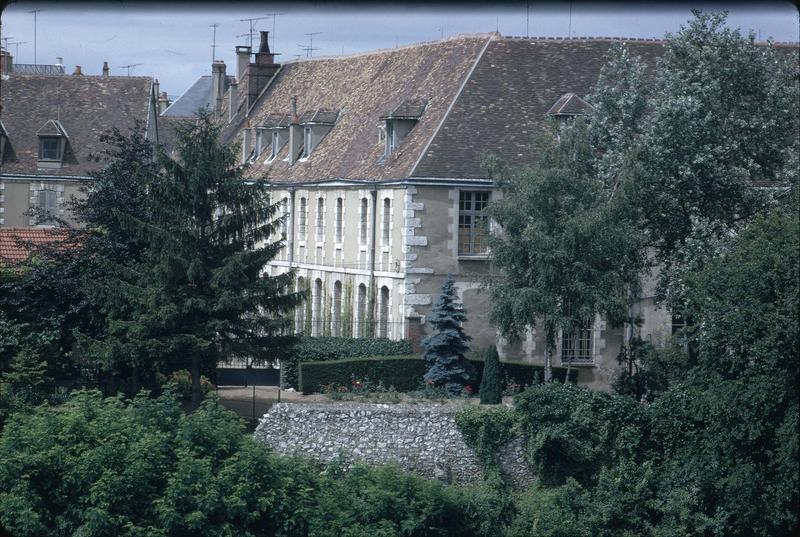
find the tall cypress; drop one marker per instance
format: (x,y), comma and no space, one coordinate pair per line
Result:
(491,389)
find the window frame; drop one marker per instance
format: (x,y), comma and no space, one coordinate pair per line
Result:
(577,344)
(57,150)
(477,244)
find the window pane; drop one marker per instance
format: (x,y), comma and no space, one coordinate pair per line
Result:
(48,148)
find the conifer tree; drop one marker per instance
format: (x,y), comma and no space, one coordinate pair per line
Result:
(198,294)
(445,351)
(491,385)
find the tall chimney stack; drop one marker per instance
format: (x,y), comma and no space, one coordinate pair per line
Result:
(242,61)
(217,84)
(106,70)
(77,71)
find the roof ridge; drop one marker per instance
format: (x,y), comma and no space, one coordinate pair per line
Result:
(622,38)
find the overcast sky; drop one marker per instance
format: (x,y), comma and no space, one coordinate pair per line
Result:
(174,44)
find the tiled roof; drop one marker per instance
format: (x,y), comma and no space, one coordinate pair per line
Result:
(37,69)
(569,104)
(84,106)
(16,244)
(507,97)
(408,109)
(196,97)
(362,88)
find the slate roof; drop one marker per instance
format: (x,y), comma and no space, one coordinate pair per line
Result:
(197,96)
(85,107)
(16,244)
(362,88)
(37,69)
(507,96)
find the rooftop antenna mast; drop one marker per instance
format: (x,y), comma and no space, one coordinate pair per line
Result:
(527,18)
(129,67)
(310,49)
(214,42)
(35,13)
(274,16)
(570,19)
(16,46)
(251,20)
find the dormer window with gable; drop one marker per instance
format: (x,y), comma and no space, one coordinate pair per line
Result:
(568,106)
(399,122)
(315,125)
(52,144)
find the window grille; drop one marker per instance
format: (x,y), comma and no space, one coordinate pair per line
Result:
(363,218)
(336,329)
(49,148)
(302,219)
(316,327)
(472,222)
(383,324)
(285,216)
(47,203)
(339,208)
(576,344)
(320,219)
(387,206)
(362,311)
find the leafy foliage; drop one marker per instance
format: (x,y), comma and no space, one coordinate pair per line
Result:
(401,372)
(491,389)
(446,349)
(486,430)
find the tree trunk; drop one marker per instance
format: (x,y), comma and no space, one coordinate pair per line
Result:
(195,382)
(548,366)
(569,368)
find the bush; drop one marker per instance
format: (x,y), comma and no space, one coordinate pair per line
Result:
(318,349)
(183,381)
(491,390)
(404,373)
(486,430)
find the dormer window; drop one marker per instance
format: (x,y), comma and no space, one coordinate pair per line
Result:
(3,141)
(263,139)
(568,106)
(52,142)
(315,124)
(399,122)
(279,138)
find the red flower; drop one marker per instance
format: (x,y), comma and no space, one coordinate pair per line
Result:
(468,389)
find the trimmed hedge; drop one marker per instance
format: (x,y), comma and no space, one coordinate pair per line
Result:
(405,372)
(318,349)
(402,372)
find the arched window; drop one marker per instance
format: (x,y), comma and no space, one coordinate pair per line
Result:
(383,326)
(336,317)
(387,207)
(316,324)
(361,314)
(300,310)
(339,209)
(363,220)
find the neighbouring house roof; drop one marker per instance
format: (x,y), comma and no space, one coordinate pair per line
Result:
(197,96)
(37,69)
(362,88)
(16,244)
(82,107)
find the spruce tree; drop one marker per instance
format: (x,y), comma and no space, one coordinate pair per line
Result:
(198,294)
(491,389)
(445,350)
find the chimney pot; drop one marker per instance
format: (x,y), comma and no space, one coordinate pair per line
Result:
(106,70)
(77,71)
(263,47)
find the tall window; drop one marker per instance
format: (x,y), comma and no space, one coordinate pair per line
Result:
(302,219)
(576,344)
(316,326)
(473,224)
(361,321)
(383,326)
(275,147)
(284,216)
(336,317)
(339,208)
(47,203)
(387,207)
(363,220)
(300,310)
(306,142)
(49,148)
(320,219)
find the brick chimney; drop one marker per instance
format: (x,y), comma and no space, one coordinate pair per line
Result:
(261,72)
(163,102)
(242,61)
(217,84)
(6,63)
(77,71)
(106,70)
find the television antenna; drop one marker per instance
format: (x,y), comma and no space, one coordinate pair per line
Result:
(274,16)
(214,42)
(252,20)
(35,13)
(129,67)
(310,48)
(17,44)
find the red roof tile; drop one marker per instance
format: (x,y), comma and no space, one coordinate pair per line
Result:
(16,243)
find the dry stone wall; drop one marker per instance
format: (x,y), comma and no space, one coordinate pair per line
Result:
(420,438)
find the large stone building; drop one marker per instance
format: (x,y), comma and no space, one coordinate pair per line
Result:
(50,134)
(375,159)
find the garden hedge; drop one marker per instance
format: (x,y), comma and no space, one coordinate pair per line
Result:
(405,372)
(317,349)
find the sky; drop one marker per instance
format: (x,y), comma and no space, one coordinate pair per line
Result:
(174,43)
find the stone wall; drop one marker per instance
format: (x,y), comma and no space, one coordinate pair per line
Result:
(421,438)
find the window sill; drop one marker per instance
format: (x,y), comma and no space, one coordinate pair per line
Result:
(302,244)
(473,257)
(320,244)
(578,363)
(338,246)
(362,247)
(48,164)
(385,249)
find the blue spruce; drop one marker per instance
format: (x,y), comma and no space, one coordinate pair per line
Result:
(445,350)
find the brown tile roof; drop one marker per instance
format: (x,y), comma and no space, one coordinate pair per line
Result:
(16,244)
(508,95)
(362,88)
(85,107)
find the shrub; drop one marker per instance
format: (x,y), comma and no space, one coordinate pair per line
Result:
(318,349)
(404,373)
(486,430)
(183,380)
(491,389)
